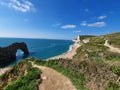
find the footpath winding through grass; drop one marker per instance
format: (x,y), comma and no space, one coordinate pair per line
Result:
(76,78)
(53,80)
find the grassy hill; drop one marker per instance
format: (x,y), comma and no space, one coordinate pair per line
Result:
(114,39)
(94,67)
(95,52)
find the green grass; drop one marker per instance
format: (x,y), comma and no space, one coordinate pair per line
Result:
(113,86)
(112,56)
(82,37)
(116,70)
(75,76)
(95,48)
(90,50)
(28,81)
(98,40)
(96,51)
(114,39)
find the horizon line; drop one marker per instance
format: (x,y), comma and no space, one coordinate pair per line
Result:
(36,38)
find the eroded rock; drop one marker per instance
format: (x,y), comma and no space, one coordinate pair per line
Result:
(8,54)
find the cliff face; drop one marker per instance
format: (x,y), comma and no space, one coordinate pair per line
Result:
(8,54)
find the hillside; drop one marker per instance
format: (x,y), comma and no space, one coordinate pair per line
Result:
(97,53)
(21,77)
(96,66)
(114,39)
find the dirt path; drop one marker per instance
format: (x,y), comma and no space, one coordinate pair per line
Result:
(112,49)
(53,80)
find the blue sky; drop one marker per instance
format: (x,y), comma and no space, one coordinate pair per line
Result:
(58,19)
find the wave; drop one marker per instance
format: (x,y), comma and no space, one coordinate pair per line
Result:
(70,48)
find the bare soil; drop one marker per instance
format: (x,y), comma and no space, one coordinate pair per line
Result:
(112,48)
(53,80)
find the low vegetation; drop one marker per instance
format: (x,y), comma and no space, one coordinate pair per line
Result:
(21,77)
(82,37)
(114,39)
(95,51)
(94,67)
(69,71)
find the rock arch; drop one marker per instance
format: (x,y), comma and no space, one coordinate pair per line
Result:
(8,54)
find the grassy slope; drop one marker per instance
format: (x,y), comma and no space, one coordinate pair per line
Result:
(69,71)
(97,52)
(114,39)
(90,65)
(95,48)
(21,77)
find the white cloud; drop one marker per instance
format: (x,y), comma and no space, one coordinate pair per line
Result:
(19,5)
(68,26)
(102,17)
(77,31)
(84,23)
(97,24)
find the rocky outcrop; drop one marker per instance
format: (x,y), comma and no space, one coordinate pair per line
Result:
(8,54)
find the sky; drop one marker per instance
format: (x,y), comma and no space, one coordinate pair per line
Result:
(58,19)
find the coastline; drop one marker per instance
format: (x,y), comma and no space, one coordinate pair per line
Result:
(70,53)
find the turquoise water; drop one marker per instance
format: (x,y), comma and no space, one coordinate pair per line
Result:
(40,48)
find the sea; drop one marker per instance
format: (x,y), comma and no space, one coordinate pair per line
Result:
(39,48)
